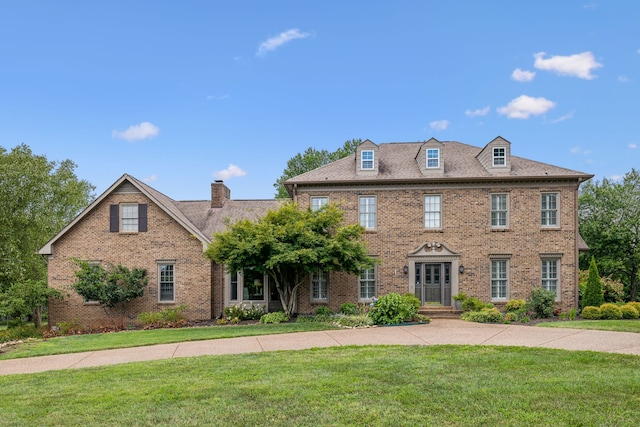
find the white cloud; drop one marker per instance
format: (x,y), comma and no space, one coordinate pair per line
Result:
(522,75)
(137,132)
(563,118)
(439,124)
(151,178)
(579,65)
(479,112)
(623,79)
(591,5)
(633,146)
(228,173)
(277,41)
(578,150)
(616,177)
(211,97)
(525,106)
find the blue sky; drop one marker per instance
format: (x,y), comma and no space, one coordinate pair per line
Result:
(181,93)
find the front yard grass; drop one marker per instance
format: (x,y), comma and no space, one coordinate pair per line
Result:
(602,325)
(371,385)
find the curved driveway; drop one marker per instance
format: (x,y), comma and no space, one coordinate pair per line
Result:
(439,331)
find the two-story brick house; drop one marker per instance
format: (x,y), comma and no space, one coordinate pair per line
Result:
(445,218)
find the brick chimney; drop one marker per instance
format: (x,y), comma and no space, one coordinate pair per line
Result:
(219,194)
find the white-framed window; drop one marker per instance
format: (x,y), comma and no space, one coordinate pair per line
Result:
(367,284)
(166,282)
(499,156)
(233,286)
(499,210)
(253,286)
(499,279)
(432,211)
(129,218)
(550,276)
(433,158)
(549,209)
(367,211)
(318,203)
(319,286)
(366,159)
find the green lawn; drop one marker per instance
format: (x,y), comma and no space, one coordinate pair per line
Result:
(373,385)
(602,325)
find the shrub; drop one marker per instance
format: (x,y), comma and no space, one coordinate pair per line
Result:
(274,317)
(610,311)
(541,302)
(315,318)
(510,316)
(421,318)
(591,313)
(354,320)
(349,308)
(413,300)
(253,312)
(169,317)
(233,311)
(635,304)
(472,304)
(323,311)
(392,308)
(19,333)
(515,305)
(570,315)
(71,327)
(629,312)
(486,315)
(593,291)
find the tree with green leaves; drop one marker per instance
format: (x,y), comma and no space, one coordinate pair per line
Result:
(113,287)
(311,159)
(289,244)
(610,224)
(27,298)
(593,295)
(37,199)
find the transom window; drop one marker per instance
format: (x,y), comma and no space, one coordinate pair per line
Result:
(499,156)
(432,211)
(499,279)
(499,210)
(129,218)
(366,159)
(166,282)
(319,286)
(433,158)
(367,284)
(318,203)
(367,212)
(550,275)
(549,210)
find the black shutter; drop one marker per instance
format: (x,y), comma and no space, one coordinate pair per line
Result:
(114,221)
(142,217)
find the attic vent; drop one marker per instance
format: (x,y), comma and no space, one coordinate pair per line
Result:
(126,188)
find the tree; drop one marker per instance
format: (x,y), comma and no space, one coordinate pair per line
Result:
(593,292)
(37,199)
(610,225)
(27,298)
(113,287)
(289,244)
(309,160)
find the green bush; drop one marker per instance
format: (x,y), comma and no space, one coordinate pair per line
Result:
(354,320)
(323,311)
(610,311)
(635,304)
(593,295)
(541,303)
(413,300)
(515,305)
(590,312)
(472,304)
(421,318)
(233,311)
(19,333)
(510,316)
(317,318)
(274,317)
(169,317)
(486,315)
(349,308)
(253,312)
(391,309)
(569,315)
(629,312)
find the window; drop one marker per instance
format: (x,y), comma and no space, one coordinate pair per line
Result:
(368,212)
(367,284)
(166,282)
(433,158)
(499,210)
(318,203)
(319,286)
(128,218)
(499,280)
(549,210)
(550,275)
(366,160)
(253,286)
(233,283)
(432,211)
(499,156)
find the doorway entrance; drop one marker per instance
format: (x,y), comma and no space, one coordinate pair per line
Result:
(433,283)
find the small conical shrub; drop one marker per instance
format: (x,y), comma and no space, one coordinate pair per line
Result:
(593,293)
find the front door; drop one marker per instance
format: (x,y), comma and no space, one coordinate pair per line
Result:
(433,283)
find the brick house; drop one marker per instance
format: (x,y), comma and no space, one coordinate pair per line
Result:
(445,218)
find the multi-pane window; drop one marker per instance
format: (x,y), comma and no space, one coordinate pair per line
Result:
(367,212)
(318,203)
(233,283)
(319,286)
(433,158)
(550,275)
(166,282)
(499,280)
(499,210)
(367,284)
(129,218)
(366,159)
(549,210)
(499,156)
(432,211)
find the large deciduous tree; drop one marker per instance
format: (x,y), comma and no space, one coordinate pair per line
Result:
(311,159)
(37,198)
(610,225)
(27,298)
(288,244)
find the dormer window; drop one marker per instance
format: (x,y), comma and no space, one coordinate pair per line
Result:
(499,156)
(433,158)
(366,162)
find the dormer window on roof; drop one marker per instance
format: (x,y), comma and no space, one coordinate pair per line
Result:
(499,156)
(433,158)
(366,160)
